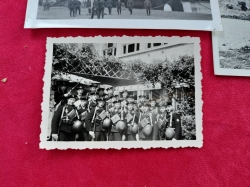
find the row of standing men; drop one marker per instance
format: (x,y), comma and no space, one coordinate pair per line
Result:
(99,6)
(96,116)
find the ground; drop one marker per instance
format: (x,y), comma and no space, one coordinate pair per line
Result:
(236,37)
(63,13)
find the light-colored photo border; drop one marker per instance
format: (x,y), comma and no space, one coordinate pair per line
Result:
(44,144)
(31,21)
(224,71)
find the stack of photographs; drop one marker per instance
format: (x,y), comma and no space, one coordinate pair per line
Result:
(133,92)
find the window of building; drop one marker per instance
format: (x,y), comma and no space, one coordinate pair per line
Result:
(137,47)
(114,51)
(109,52)
(131,48)
(110,45)
(124,49)
(104,53)
(156,44)
(149,45)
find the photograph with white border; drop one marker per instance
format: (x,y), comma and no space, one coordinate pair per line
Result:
(122,92)
(231,48)
(130,14)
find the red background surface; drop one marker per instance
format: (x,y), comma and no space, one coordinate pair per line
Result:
(224,159)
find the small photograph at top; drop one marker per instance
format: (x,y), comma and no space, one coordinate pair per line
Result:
(71,11)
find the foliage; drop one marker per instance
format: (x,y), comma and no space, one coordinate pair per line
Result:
(188,127)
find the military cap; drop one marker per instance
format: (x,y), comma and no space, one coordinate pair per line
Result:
(124,91)
(131,103)
(79,87)
(61,83)
(115,102)
(142,96)
(131,96)
(169,103)
(100,89)
(110,88)
(101,100)
(93,85)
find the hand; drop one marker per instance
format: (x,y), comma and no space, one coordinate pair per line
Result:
(92,134)
(54,137)
(123,137)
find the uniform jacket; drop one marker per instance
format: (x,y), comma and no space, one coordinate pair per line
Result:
(155,126)
(82,113)
(147,4)
(154,110)
(95,4)
(65,124)
(101,4)
(176,123)
(120,113)
(78,4)
(130,4)
(136,118)
(119,4)
(72,4)
(109,3)
(97,123)
(91,104)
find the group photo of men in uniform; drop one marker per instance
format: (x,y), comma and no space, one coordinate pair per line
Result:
(121,9)
(92,113)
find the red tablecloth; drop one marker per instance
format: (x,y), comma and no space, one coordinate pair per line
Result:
(224,160)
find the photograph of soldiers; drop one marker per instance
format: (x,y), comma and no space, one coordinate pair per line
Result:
(109,103)
(183,10)
(147,5)
(119,7)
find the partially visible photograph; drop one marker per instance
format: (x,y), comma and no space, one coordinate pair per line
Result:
(122,92)
(232,46)
(168,14)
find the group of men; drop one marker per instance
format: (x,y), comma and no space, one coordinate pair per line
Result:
(108,117)
(98,7)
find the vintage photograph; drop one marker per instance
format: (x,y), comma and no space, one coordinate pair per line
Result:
(122,93)
(232,46)
(80,13)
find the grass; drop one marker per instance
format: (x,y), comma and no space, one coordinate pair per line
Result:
(235,59)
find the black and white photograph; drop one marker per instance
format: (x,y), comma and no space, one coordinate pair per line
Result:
(165,14)
(122,92)
(232,46)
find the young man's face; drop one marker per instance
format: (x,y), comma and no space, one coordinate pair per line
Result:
(92,89)
(129,100)
(141,99)
(152,103)
(110,91)
(124,94)
(63,87)
(71,101)
(117,105)
(94,97)
(169,108)
(84,104)
(130,107)
(101,92)
(80,91)
(146,108)
(162,109)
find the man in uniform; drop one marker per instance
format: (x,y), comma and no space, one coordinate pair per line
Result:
(110,91)
(101,8)
(147,5)
(92,101)
(119,7)
(94,121)
(161,120)
(63,120)
(72,7)
(130,5)
(62,94)
(116,114)
(174,121)
(153,108)
(147,118)
(95,9)
(79,91)
(78,7)
(101,94)
(141,101)
(131,117)
(92,89)
(109,5)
